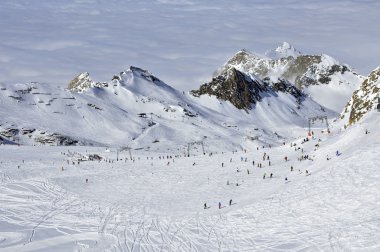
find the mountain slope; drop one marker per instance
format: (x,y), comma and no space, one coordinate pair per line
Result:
(137,109)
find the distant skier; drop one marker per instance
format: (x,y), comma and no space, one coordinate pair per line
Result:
(271,175)
(291,168)
(205,206)
(264,175)
(230,202)
(220,205)
(286,179)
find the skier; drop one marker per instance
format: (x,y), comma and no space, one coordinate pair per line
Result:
(253,162)
(205,205)
(307,172)
(248,171)
(220,205)
(264,175)
(291,168)
(286,179)
(286,158)
(230,202)
(271,175)
(222,164)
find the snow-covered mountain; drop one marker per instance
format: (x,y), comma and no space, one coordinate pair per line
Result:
(363,100)
(324,78)
(137,109)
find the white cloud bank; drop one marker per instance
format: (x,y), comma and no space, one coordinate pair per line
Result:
(182,42)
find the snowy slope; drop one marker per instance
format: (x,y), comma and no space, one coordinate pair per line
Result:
(325,79)
(137,109)
(155,203)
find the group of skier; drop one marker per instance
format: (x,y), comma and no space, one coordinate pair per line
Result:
(219,205)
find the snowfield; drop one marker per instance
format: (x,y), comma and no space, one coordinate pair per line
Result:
(155,201)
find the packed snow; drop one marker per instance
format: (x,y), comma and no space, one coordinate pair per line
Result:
(54,198)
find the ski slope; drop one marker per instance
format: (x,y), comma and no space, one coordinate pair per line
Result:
(153,204)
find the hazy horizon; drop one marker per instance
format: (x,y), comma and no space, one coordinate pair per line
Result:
(180,41)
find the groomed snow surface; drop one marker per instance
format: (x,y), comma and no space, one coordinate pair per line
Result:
(153,204)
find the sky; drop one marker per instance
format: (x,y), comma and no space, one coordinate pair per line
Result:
(182,42)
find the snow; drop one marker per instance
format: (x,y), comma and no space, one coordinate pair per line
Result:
(337,93)
(283,51)
(148,205)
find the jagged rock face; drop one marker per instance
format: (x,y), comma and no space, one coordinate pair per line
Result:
(317,70)
(145,74)
(284,86)
(235,87)
(364,99)
(83,82)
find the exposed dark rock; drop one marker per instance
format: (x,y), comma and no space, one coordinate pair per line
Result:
(233,86)
(284,86)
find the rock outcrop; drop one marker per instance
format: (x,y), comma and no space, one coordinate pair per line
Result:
(364,99)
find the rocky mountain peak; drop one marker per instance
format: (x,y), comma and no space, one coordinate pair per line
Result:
(233,86)
(137,72)
(283,51)
(81,82)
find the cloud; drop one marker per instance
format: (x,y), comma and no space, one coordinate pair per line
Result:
(180,41)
